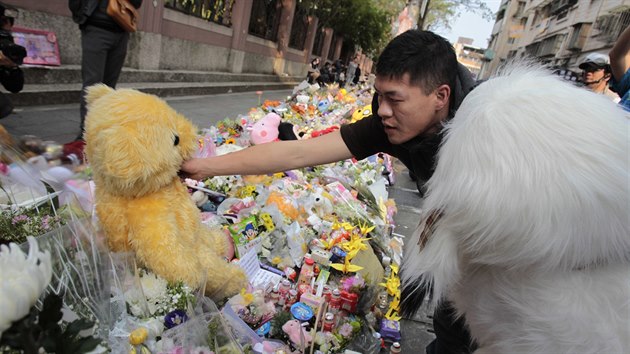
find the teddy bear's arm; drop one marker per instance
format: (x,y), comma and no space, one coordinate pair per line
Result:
(112,219)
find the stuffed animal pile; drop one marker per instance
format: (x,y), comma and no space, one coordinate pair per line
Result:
(135,144)
(526,226)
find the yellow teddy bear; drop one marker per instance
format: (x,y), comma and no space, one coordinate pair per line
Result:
(135,144)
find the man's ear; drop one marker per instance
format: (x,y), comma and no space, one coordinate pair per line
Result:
(442,93)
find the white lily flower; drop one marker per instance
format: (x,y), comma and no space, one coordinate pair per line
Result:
(22,280)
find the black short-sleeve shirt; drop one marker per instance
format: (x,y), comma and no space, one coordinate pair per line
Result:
(417,154)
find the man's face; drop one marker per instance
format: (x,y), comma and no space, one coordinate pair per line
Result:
(406,111)
(592,74)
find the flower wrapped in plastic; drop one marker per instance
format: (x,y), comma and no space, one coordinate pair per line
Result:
(31,325)
(157,316)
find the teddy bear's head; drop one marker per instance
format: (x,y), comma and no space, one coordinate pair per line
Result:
(135,142)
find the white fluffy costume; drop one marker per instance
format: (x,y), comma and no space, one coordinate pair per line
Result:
(526,225)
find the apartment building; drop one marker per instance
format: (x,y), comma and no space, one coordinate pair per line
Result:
(557,32)
(468,55)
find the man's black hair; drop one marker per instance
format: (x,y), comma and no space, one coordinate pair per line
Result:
(429,60)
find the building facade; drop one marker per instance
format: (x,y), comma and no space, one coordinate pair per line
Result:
(237,36)
(468,55)
(559,33)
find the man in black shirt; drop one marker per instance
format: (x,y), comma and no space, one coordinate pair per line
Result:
(104,45)
(419,85)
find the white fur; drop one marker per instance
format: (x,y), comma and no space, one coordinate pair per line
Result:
(534,243)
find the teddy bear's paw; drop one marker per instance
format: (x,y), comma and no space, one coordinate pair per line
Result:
(226,282)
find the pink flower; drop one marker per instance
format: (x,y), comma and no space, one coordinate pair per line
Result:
(19,218)
(345,330)
(45,222)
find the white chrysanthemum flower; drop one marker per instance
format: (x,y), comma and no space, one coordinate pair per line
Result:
(22,280)
(154,287)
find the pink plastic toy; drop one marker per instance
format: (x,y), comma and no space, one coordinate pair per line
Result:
(293,330)
(265,130)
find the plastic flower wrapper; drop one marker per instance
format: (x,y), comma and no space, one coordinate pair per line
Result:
(36,198)
(364,340)
(206,147)
(230,127)
(347,329)
(23,278)
(77,293)
(224,184)
(80,263)
(224,333)
(144,300)
(296,242)
(252,308)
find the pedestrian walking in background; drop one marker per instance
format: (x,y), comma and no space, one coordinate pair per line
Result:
(352,68)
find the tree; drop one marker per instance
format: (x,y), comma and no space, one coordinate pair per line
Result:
(361,23)
(441,13)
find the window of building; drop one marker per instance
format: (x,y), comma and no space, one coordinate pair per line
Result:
(299,28)
(265,19)
(612,24)
(333,46)
(318,45)
(217,11)
(523,21)
(579,35)
(520,9)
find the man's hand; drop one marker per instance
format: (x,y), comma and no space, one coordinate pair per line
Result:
(193,168)
(5,61)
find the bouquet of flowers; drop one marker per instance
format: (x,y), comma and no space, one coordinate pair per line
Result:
(26,325)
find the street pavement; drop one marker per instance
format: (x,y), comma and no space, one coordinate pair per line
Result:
(60,123)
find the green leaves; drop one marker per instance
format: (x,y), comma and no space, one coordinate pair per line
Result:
(441,13)
(360,22)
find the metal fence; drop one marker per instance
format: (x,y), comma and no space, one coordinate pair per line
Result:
(217,11)
(265,19)
(299,29)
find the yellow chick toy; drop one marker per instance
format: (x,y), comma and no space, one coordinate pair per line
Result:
(361,113)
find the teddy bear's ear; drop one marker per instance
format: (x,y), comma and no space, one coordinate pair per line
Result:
(96,91)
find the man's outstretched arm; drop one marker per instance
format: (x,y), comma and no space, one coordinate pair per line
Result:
(271,157)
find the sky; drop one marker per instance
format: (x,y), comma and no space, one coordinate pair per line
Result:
(471,25)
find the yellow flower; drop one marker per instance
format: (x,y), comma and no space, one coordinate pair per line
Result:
(230,141)
(138,336)
(365,229)
(248,298)
(346,267)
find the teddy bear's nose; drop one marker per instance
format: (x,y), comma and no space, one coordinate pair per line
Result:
(176,142)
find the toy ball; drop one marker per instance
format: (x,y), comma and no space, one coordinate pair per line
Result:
(361,113)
